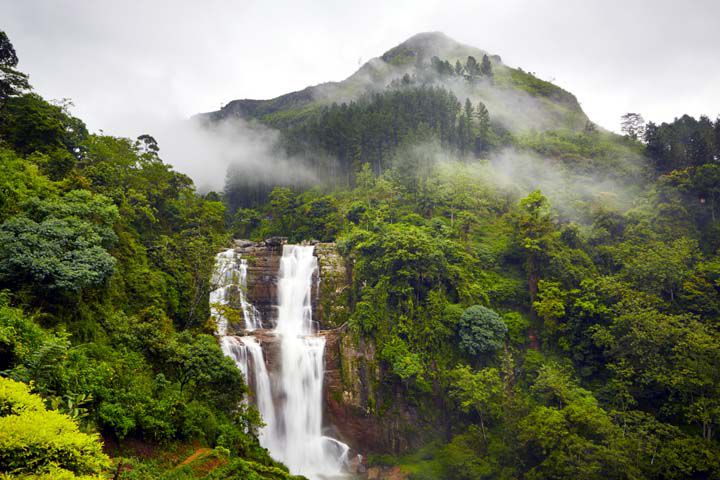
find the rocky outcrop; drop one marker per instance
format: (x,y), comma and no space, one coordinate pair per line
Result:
(333,287)
(369,418)
(351,375)
(331,283)
(263,259)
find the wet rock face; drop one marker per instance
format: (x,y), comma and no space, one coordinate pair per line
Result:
(331,281)
(353,399)
(350,377)
(263,260)
(352,373)
(330,305)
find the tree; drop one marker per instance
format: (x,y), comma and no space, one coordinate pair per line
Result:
(442,67)
(481,330)
(148,145)
(403,362)
(535,226)
(568,435)
(8,57)
(31,124)
(481,392)
(482,141)
(59,244)
(471,66)
(198,364)
(550,305)
(469,109)
(633,125)
(12,82)
(458,68)
(658,267)
(486,67)
(283,203)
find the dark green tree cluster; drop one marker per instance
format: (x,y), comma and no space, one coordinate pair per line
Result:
(12,81)
(471,70)
(371,129)
(682,143)
(686,155)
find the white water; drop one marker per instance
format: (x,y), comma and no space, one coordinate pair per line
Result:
(229,275)
(248,356)
(293,425)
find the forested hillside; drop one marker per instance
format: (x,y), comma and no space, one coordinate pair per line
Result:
(544,292)
(558,348)
(106,255)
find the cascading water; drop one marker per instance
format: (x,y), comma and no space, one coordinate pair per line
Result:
(303,448)
(248,356)
(231,275)
(293,423)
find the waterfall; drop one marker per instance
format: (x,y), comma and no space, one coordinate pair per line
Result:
(292,406)
(229,275)
(248,356)
(303,447)
(225,276)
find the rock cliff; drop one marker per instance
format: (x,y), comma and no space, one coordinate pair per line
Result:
(355,410)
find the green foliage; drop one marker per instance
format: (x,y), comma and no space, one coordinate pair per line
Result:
(685,142)
(61,244)
(35,440)
(112,252)
(481,331)
(404,364)
(12,82)
(20,181)
(535,86)
(517,327)
(568,422)
(478,391)
(30,124)
(218,466)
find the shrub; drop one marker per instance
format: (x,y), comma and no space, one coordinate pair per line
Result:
(481,330)
(34,439)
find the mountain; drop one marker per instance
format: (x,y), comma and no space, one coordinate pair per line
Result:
(517,98)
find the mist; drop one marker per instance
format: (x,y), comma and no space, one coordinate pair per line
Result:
(513,173)
(569,191)
(208,153)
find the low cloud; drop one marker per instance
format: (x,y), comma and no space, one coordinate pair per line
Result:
(208,152)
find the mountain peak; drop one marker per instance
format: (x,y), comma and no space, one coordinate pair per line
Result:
(515,98)
(425,45)
(429,38)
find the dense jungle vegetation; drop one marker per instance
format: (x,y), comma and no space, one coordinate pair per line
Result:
(564,335)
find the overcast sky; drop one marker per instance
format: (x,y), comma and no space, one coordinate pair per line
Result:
(128,64)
